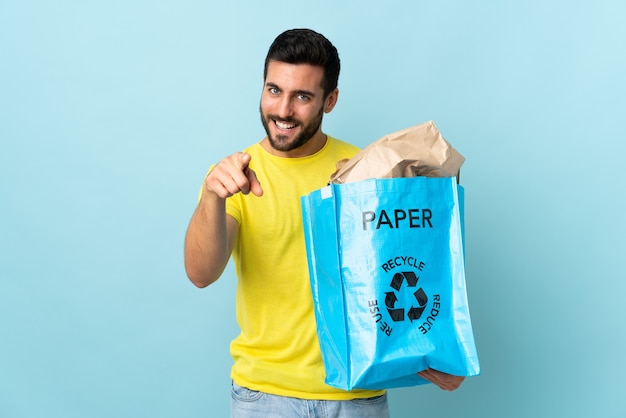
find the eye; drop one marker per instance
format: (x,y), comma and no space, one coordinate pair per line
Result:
(273,90)
(303,97)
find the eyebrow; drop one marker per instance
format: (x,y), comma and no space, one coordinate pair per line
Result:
(305,92)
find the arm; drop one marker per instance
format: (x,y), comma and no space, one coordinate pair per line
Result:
(211,232)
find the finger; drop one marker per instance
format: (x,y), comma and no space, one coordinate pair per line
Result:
(252,183)
(222,180)
(445,381)
(427,373)
(424,374)
(231,173)
(244,159)
(434,377)
(240,175)
(216,186)
(255,184)
(428,376)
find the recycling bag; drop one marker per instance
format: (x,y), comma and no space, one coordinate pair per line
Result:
(386,265)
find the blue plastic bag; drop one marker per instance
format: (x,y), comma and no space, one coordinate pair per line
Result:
(386,263)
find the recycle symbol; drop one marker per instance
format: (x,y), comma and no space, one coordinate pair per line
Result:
(414,312)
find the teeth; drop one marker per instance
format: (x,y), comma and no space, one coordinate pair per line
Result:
(283,125)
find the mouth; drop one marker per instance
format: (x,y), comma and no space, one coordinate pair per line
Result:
(284,126)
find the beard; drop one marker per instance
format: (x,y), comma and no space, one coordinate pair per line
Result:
(281,142)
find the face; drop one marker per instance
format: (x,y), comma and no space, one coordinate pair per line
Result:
(292,106)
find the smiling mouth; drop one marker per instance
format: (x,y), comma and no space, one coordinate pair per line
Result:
(284,125)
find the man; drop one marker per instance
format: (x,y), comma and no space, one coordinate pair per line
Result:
(250,207)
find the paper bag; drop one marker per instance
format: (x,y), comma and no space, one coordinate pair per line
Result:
(416,151)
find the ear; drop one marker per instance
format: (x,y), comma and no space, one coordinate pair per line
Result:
(331,101)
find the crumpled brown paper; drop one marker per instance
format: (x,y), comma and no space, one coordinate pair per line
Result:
(416,151)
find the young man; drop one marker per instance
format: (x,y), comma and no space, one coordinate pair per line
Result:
(250,207)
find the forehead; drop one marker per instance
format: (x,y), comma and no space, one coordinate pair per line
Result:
(295,76)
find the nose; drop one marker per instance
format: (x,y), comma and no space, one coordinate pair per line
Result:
(285,108)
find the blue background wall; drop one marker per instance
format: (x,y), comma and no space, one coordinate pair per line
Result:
(111,112)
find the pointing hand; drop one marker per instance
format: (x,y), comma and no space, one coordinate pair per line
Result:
(233,175)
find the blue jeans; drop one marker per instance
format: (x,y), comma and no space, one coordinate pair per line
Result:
(246,403)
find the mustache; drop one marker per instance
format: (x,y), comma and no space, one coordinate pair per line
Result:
(284,120)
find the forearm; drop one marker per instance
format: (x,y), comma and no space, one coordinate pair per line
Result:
(211,233)
(207,244)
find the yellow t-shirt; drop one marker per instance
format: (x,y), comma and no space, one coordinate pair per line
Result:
(277,350)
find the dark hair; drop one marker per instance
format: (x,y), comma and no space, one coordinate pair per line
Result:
(304,46)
